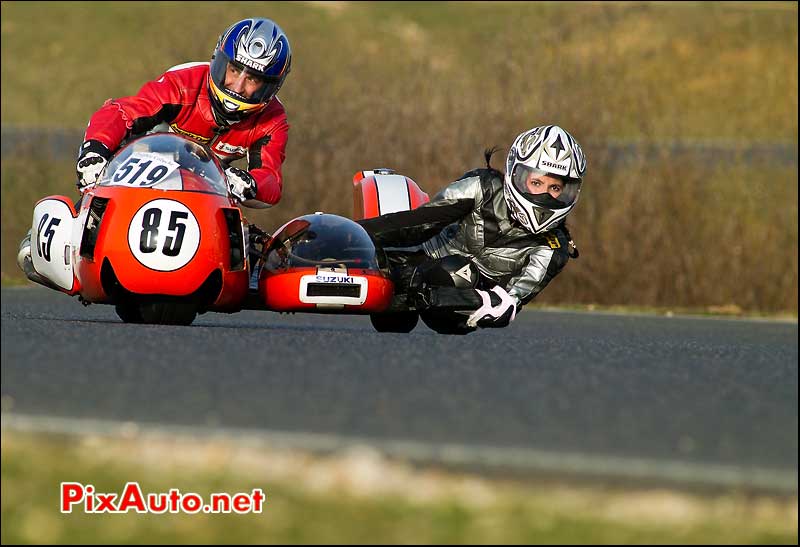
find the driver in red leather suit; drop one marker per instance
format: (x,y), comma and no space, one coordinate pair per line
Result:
(229,104)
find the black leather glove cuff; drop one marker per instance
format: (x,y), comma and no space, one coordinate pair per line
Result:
(94,146)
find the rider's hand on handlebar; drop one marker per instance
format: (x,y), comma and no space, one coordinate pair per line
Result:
(92,160)
(241,184)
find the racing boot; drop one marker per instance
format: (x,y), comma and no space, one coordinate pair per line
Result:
(25,262)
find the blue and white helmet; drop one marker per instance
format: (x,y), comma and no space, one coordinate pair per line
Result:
(545,150)
(257,46)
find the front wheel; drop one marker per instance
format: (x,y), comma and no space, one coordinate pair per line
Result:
(168,313)
(157,313)
(394,322)
(129,312)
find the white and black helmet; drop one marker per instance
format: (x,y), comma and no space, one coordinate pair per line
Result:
(546,150)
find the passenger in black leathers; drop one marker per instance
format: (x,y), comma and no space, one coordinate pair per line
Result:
(488,243)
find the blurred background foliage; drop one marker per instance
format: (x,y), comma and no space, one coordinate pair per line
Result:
(669,100)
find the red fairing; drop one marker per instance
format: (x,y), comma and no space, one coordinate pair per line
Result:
(112,245)
(180,97)
(281,292)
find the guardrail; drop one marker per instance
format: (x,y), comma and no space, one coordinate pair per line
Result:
(60,143)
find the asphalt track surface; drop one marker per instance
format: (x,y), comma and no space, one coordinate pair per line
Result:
(709,393)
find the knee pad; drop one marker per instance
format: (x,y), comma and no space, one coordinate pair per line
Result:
(451,271)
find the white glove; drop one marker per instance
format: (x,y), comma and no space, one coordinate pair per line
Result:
(241,184)
(498,309)
(91,162)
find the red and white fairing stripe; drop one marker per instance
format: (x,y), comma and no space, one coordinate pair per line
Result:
(380,193)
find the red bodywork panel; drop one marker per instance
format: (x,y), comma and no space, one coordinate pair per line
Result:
(213,251)
(281,291)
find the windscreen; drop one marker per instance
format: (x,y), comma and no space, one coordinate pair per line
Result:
(167,162)
(323,240)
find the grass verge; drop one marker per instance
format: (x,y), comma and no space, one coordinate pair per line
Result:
(352,497)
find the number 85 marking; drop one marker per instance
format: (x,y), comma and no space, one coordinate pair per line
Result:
(151,221)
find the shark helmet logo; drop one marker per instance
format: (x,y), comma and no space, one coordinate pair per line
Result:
(556,148)
(253,51)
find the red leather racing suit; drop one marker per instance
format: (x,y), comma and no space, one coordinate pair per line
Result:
(180,99)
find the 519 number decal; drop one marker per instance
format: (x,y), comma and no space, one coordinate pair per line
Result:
(143,169)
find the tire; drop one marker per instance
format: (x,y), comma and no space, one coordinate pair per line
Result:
(157,313)
(168,313)
(394,322)
(129,312)
(445,326)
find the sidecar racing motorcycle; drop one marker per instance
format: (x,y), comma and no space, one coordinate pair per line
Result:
(159,238)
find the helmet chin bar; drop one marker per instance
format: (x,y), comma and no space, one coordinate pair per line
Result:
(225,116)
(228,103)
(542,215)
(535,219)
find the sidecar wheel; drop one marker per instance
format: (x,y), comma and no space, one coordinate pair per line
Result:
(394,322)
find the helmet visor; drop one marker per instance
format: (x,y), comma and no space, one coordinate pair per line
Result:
(544,189)
(241,83)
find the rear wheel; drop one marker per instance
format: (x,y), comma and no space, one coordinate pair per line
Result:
(394,322)
(445,325)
